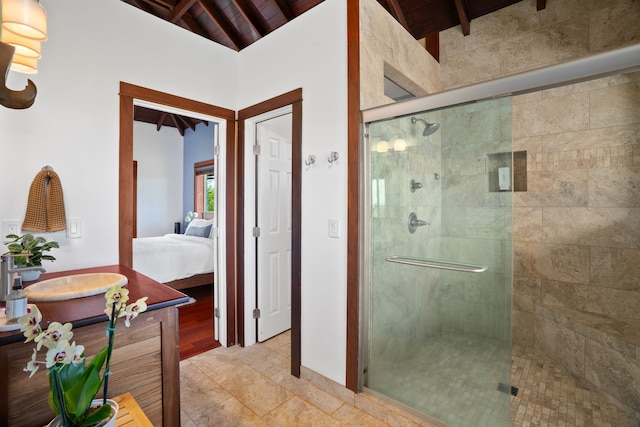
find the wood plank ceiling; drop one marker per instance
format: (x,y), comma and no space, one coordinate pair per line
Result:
(237,24)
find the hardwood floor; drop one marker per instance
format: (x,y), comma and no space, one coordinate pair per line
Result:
(196,323)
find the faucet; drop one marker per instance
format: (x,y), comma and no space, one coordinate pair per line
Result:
(6,271)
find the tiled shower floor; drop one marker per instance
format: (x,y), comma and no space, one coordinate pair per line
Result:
(547,396)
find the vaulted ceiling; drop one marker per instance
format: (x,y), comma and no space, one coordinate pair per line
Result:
(239,23)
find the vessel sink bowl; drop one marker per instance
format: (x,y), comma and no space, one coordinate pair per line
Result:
(74,286)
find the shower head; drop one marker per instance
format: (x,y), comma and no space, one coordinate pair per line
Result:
(429,128)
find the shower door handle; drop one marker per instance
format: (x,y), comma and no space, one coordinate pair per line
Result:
(434,263)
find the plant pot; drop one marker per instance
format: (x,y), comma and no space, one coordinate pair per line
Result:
(109,422)
(30,276)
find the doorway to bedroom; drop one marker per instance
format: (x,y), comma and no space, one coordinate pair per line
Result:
(209,232)
(174,202)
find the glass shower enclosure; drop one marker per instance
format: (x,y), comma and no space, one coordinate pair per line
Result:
(437,261)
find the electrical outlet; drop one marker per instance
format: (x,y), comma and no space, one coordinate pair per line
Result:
(10,227)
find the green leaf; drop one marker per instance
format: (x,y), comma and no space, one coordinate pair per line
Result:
(101,414)
(84,390)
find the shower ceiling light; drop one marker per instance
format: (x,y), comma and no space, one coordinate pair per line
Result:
(399,144)
(382,146)
(26,18)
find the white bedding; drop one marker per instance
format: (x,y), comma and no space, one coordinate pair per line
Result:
(173,256)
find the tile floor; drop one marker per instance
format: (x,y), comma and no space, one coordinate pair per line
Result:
(252,387)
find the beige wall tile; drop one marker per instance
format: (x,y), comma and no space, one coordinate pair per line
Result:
(555,188)
(615,105)
(522,328)
(613,23)
(546,46)
(615,187)
(613,372)
(615,268)
(526,293)
(560,344)
(566,263)
(544,117)
(585,140)
(566,295)
(614,227)
(527,224)
(615,303)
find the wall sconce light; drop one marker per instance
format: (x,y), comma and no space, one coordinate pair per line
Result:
(310,160)
(333,157)
(24,26)
(26,18)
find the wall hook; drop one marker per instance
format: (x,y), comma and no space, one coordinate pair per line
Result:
(17,100)
(310,160)
(333,157)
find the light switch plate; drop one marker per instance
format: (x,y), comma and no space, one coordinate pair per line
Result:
(10,227)
(74,228)
(334,227)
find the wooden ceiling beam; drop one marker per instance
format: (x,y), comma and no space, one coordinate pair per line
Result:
(222,23)
(187,122)
(541,4)
(397,13)
(179,10)
(284,9)
(178,125)
(160,120)
(251,16)
(463,16)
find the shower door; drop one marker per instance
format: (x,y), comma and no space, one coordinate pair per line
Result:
(438,262)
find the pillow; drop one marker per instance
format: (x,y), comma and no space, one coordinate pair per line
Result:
(199,228)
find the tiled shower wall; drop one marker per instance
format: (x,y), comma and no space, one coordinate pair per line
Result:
(403,297)
(476,224)
(577,228)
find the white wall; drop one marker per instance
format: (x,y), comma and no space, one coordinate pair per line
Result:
(160,174)
(73,125)
(311,52)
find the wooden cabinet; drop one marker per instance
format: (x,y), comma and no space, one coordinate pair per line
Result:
(145,362)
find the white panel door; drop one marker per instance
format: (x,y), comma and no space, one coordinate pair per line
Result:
(273,189)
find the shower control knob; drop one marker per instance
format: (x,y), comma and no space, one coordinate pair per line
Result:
(414,222)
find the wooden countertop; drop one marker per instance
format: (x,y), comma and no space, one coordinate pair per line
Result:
(89,310)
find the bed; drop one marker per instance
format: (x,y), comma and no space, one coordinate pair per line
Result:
(178,260)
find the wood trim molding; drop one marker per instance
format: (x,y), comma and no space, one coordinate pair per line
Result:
(128,93)
(353,194)
(293,98)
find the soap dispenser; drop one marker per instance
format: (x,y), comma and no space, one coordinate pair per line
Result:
(16,300)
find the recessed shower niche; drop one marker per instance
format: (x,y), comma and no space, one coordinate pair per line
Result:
(507,171)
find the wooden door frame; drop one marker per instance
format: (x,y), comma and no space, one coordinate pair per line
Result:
(293,98)
(129,92)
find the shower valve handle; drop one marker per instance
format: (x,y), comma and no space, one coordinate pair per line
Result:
(414,222)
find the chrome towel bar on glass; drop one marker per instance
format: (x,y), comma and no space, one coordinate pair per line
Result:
(433,263)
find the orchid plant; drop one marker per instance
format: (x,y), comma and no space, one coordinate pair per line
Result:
(73,384)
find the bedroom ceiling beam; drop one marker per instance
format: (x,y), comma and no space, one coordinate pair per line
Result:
(397,13)
(178,125)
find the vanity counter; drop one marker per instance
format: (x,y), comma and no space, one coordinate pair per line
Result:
(145,360)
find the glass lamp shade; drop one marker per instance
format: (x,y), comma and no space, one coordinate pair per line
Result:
(29,48)
(26,18)
(23,64)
